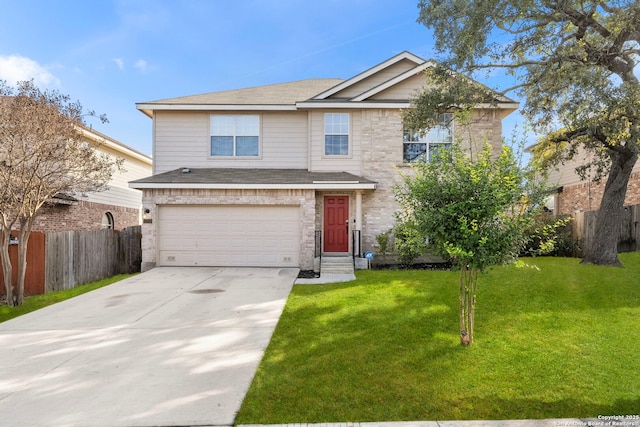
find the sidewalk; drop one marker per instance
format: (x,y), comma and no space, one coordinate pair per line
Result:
(560,422)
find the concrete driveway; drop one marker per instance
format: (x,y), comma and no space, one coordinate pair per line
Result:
(169,347)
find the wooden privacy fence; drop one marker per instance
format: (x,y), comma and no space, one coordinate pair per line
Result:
(66,259)
(77,257)
(34,277)
(629,235)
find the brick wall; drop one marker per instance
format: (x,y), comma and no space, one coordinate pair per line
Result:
(382,161)
(83,215)
(586,196)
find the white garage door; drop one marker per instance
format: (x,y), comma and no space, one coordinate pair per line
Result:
(245,236)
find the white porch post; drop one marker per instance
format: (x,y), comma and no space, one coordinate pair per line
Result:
(357,237)
(358,210)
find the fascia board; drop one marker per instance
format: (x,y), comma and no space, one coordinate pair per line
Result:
(350,104)
(371,71)
(115,146)
(392,104)
(214,107)
(313,186)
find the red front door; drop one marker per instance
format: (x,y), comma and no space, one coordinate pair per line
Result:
(336,217)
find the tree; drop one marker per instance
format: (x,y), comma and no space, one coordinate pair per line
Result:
(575,63)
(42,154)
(473,213)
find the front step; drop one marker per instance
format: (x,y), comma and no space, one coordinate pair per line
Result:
(336,265)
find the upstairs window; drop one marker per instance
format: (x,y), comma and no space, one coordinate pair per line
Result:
(235,136)
(423,146)
(336,134)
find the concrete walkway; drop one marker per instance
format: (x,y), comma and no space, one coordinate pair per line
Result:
(563,422)
(169,347)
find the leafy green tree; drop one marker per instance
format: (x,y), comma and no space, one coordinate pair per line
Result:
(575,63)
(474,214)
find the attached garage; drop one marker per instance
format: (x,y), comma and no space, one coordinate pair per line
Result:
(225,235)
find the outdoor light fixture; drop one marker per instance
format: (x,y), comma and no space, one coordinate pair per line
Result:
(146,216)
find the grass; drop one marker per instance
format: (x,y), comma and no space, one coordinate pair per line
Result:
(36,302)
(554,339)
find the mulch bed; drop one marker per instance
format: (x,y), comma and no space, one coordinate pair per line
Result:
(417,266)
(310,274)
(307,274)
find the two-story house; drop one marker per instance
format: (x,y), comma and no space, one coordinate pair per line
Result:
(572,194)
(272,175)
(116,208)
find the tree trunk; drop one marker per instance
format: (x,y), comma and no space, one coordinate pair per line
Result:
(468,286)
(23,242)
(6,264)
(603,250)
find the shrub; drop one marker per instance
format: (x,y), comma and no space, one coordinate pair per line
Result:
(383,242)
(410,243)
(550,235)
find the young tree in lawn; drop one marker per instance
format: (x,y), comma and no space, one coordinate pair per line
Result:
(474,213)
(575,62)
(42,154)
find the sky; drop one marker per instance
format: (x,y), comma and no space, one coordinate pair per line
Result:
(112,54)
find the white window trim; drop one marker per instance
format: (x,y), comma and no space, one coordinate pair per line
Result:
(424,139)
(235,157)
(349,137)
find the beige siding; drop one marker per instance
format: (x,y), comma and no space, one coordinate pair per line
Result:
(119,193)
(183,139)
(404,90)
(565,175)
(376,79)
(285,140)
(319,161)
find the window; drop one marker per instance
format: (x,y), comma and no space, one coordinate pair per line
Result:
(107,221)
(423,146)
(235,136)
(336,134)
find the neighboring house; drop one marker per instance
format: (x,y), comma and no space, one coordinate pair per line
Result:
(272,175)
(118,207)
(574,195)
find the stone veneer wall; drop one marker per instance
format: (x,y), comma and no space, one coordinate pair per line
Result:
(586,196)
(382,161)
(83,215)
(304,198)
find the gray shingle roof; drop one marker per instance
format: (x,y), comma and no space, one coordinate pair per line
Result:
(251,177)
(275,94)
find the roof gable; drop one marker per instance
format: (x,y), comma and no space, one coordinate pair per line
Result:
(397,64)
(391,84)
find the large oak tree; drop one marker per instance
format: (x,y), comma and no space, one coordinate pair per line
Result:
(575,64)
(43,153)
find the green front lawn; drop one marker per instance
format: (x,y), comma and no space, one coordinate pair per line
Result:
(555,339)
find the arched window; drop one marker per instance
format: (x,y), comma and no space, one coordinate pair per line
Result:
(107,221)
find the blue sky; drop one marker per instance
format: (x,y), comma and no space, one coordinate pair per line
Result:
(110,54)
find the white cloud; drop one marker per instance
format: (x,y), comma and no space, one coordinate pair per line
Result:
(15,68)
(141,64)
(119,62)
